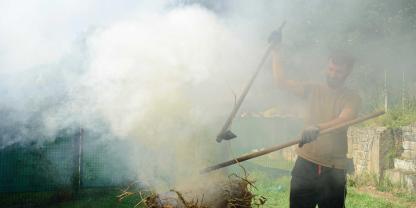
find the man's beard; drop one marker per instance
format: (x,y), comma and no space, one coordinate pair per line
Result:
(334,83)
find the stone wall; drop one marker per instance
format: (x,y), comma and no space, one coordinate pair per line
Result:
(388,153)
(371,149)
(404,171)
(368,147)
(409,142)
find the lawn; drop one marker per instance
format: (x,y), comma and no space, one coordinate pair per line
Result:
(270,182)
(275,190)
(277,193)
(89,198)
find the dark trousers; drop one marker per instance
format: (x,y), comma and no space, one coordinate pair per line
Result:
(313,185)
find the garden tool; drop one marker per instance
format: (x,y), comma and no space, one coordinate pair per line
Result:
(274,41)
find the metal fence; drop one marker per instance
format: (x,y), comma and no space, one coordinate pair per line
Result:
(69,162)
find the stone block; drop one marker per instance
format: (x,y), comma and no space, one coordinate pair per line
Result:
(409,181)
(409,145)
(405,165)
(409,154)
(394,175)
(404,179)
(355,146)
(409,137)
(406,129)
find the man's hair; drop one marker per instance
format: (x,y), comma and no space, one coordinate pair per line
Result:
(342,58)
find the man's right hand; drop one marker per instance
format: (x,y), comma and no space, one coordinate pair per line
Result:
(309,134)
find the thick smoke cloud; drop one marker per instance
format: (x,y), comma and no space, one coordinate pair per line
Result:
(159,75)
(165,73)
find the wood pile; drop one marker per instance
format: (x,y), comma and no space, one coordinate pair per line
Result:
(229,193)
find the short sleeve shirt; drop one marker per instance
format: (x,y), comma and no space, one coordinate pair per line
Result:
(325,104)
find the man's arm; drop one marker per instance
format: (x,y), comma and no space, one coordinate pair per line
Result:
(348,113)
(292,86)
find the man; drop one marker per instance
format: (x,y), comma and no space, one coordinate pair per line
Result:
(319,174)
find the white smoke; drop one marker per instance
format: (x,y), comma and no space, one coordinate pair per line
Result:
(153,71)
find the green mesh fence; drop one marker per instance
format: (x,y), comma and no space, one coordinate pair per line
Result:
(36,176)
(53,166)
(31,168)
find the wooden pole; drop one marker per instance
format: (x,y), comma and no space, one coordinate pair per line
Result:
(295,141)
(240,100)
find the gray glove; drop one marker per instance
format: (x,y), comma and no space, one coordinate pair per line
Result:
(309,134)
(275,38)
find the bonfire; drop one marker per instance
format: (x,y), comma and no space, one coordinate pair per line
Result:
(222,192)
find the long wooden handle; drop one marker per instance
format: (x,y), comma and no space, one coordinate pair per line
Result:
(295,141)
(240,100)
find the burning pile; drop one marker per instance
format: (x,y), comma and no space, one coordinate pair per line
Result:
(231,192)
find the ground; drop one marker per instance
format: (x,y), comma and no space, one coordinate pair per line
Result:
(272,181)
(277,194)
(276,190)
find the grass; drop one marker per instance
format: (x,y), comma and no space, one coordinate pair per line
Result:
(382,187)
(25,199)
(355,198)
(100,199)
(277,193)
(274,188)
(89,198)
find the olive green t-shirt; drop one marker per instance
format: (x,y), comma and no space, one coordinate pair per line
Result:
(325,104)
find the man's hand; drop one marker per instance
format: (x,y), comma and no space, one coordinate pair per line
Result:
(309,134)
(275,37)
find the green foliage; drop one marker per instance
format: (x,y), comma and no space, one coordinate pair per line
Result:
(405,195)
(359,199)
(396,117)
(370,179)
(275,190)
(383,184)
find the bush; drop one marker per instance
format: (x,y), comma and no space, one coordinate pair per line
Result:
(395,117)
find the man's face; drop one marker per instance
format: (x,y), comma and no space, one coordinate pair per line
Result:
(336,75)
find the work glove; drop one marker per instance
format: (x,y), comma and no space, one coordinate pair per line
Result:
(309,134)
(275,38)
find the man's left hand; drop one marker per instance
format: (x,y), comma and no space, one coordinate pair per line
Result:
(309,134)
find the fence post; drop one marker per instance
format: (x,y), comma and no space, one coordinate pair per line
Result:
(77,174)
(403,92)
(386,99)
